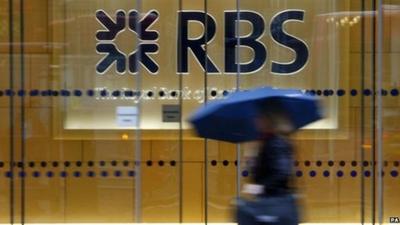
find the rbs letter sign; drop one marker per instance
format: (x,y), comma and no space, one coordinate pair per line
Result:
(141,26)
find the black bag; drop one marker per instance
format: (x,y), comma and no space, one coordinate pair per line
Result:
(276,210)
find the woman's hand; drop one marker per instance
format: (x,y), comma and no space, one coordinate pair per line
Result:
(253,189)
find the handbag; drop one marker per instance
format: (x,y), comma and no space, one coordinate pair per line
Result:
(276,210)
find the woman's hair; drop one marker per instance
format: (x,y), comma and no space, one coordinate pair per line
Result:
(277,117)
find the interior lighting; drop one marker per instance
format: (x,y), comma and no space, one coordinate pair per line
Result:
(366,146)
(125,137)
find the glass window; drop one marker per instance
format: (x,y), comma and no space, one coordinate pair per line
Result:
(95,97)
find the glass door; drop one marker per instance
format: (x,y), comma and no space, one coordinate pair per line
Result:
(95,97)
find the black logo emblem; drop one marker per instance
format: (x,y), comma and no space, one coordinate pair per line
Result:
(141,26)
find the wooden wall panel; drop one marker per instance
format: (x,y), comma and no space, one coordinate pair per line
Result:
(39,77)
(98,199)
(114,150)
(349,195)
(221,192)
(193,150)
(4,78)
(36,26)
(44,195)
(193,193)
(319,196)
(160,194)
(49,150)
(227,151)
(390,193)
(165,150)
(4,26)
(4,194)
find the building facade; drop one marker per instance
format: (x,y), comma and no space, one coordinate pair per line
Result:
(95,97)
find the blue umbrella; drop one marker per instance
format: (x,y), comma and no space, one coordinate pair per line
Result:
(232,119)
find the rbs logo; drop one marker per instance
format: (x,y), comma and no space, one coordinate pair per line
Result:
(141,26)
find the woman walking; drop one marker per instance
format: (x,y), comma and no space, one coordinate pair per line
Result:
(272,172)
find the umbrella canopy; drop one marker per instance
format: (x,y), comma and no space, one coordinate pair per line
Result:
(232,119)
